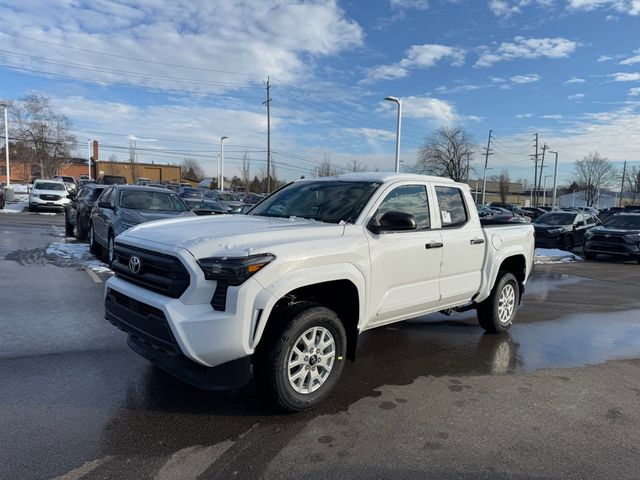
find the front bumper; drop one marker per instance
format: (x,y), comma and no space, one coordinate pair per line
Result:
(615,247)
(547,241)
(37,202)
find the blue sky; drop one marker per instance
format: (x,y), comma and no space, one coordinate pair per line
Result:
(178,75)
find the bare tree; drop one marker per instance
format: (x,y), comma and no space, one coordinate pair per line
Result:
(46,133)
(113,157)
(356,165)
(325,169)
(633,183)
(245,171)
(504,184)
(593,174)
(192,169)
(445,153)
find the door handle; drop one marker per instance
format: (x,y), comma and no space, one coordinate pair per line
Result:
(476,241)
(433,245)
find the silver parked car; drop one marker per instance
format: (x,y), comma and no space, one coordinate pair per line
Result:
(124,206)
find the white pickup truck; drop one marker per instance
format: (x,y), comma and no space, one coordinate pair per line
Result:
(290,286)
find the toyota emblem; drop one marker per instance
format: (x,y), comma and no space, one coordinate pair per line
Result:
(135,264)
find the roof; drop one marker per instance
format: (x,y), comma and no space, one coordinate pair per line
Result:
(383,177)
(140,188)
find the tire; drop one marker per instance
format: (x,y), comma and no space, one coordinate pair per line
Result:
(309,382)
(94,248)
(68,228)
(493,318)
(32,209)
(567,243)
(590,255)
(110,248)
(81,232)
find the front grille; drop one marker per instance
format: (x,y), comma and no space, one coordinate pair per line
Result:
(141,321)
(609,239)
(608,247)
(161,273)
(50,197)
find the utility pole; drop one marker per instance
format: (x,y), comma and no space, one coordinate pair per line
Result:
(544,149)
(534,200)
(486,162)
(555,181)
(468,162)
(624,174)
(267,102)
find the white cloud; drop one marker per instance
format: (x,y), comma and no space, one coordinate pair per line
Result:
(371,133)
(424,107)
(625,76)
(629,7)
(604,58)
(634,92)
(528,78)
(507,8)
(632,60)
(574,80)
(554,116)
(261,37)
(409,4)
(524,115)
(416,57)
(527,48)
(577,96)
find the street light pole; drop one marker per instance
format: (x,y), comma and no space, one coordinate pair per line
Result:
(397,101)
(221,181)
(6,141)
(555,181)
(544,189)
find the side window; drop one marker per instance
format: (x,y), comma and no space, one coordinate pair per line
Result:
(106,195)
(591,220)
(579,218)
(408,199)
(453,212)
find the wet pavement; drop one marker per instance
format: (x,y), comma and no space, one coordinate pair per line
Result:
(433,397)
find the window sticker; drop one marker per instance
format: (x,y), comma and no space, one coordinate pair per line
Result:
(446,217)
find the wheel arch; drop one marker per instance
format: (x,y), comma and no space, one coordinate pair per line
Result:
(516,265)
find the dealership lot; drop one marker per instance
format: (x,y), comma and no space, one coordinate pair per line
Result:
(556,397)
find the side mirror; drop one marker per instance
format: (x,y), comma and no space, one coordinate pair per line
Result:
(393,222)
(105,205)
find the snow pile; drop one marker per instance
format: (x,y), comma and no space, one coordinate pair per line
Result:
(553,255)
(68,252)
(14,207)
(76,251)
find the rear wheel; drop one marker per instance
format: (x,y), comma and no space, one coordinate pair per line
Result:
(68,228)
(93,244)
(81,231)
(496,313)
(299,368)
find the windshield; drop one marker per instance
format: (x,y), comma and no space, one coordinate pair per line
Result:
(49,186)
(153,201)
(556,219)
(624,222)
(325,201)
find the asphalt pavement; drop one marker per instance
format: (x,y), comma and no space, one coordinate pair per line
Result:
(556,397)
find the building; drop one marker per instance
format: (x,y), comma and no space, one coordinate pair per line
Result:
(133,171)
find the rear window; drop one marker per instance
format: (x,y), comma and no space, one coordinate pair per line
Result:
(453,212)
(152,201)
(49,186)
(625,222)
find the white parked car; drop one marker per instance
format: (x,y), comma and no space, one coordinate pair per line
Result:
(290,286)
(50,194)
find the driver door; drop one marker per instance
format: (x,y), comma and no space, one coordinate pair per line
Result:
(405,265)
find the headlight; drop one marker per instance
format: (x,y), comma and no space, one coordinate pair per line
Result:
(588,234)
(633,237)
(35,195)
(555,231)
(233,271)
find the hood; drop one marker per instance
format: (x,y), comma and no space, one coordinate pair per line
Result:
(62,193)
(232,235)
(614,231)
(141,216)
(546,226)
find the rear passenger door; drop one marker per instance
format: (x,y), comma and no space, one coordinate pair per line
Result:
(463,243)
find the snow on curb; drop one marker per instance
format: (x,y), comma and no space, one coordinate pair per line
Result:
(77,251)
(553,255)
(14,207)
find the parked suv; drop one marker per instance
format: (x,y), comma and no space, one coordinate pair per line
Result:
(563,230)
(69,182)
(513,208)
(124,206)
(78,212)
(51,194)
(618,235)
(112,180)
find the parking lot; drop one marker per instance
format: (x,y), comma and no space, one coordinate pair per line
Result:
(556,397)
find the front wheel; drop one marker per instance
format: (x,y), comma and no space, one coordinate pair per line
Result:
(81,231)
(302,366)
(496,313)
(567,243)
(589,255)
(110,250)
(94,248)
(68,228)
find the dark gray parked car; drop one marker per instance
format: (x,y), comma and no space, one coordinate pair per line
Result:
(124,206)
(77,213)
